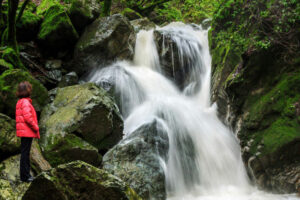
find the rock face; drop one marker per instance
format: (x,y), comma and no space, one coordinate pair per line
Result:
(81,121)
(178,62)
(9,143)
(136,160)
(12,78)
(57,31)
(263,96)
(105,40)
(78,180)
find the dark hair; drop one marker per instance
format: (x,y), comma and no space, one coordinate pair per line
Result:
(24,90)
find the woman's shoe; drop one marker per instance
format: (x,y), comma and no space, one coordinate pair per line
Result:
(30,179)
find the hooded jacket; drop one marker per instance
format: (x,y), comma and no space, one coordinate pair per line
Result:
(26,119)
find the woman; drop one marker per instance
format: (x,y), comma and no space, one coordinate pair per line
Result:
(26,126)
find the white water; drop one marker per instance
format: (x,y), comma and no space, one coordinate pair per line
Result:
(204,161)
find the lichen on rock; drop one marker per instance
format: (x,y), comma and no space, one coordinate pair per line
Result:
(78,180)
(81,120)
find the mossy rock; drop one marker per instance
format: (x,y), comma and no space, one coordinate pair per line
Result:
(78,180)
(5,66)
(57,32)
(83,12)
(6,191)
(10,56)
(70,148)
(9,143)
(131,14)
(28,26)
(45,5)
(12,78)
(84,110)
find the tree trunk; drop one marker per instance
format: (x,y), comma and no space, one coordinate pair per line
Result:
(22,10)
(1,17)
(106,8)
(12,12)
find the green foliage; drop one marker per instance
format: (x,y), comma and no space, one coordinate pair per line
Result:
(258,24)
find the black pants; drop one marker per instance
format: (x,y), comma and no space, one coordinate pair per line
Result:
(25,158)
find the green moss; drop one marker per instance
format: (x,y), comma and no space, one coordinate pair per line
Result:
(272,116)
(12,78)
(28,20)
(70,148)
(5,65)
(10,56)
(45,5)
(55,18)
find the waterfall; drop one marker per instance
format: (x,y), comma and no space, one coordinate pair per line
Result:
(204,158)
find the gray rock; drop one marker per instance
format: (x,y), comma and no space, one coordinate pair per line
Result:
(136,160)
(78,180)
(68,80)
(105,40)
(53,64)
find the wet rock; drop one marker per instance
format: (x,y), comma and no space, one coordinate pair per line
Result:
(78,180)
(9,143)
(11,79)
(80,118)
(10,169)
(177,62)
(142,24)
(57,32)
(83,12)
(136,160)
(105,40)
(68,80)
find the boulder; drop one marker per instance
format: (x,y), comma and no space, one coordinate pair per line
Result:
(79,116)
(57,32)
(105,40)
(83,12)
(10,169)
(136,160)
(78,180)
(142,24)
(9,143)
(12,78)
(28,26)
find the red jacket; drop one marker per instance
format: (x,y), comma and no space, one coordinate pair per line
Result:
(26,119)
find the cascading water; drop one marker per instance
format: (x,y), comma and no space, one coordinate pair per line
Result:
(204,159)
